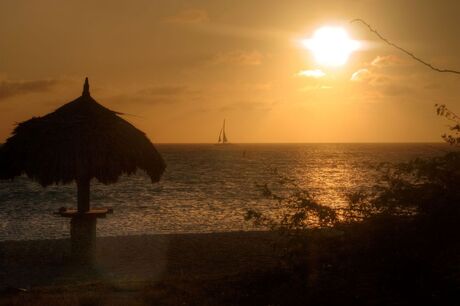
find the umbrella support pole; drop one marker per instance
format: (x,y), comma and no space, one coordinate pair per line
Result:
(83,238)
(83,232)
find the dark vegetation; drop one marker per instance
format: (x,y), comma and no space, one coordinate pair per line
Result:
(395,244)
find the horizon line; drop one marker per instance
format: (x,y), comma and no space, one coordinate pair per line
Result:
(267,143)
(331,142)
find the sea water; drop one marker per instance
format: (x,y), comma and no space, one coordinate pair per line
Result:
(206,188)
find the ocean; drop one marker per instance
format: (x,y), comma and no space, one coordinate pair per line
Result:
(206,188)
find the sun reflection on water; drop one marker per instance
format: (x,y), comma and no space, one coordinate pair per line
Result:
(206,188)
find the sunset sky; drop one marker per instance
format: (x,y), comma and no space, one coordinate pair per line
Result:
(178,68)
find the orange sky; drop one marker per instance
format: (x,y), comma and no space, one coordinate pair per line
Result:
(180,67)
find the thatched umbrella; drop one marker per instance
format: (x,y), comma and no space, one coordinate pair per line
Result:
(79,141)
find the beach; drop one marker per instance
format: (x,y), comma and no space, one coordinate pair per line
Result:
(376,262)
(127,261)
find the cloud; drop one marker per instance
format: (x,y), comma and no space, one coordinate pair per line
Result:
(395,89)
(158,94)
(370,76)
(361,75)
(165,90)
(248,106)
(315,87)
(189,16)
(10,89)
(316,73)
(381,78)
(385,61)
(247,58)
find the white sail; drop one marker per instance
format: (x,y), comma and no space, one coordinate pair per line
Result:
(222,137)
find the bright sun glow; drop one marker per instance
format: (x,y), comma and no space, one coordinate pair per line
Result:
(331,46)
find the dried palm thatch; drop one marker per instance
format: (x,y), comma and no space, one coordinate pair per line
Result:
(79,141)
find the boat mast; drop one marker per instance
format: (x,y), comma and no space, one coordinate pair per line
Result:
(220,137)
(224,138)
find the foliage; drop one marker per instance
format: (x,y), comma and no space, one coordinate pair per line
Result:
(297,214)
(420,188)
(454,137)
(297,208)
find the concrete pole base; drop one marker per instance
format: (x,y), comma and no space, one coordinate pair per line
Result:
(83,238)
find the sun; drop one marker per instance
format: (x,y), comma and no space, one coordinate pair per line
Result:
(331,46)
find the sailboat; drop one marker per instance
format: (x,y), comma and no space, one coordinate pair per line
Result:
(222,137)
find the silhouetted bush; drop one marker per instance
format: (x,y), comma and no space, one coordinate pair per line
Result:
(297,214)
(421,188)
(394,244)
(454,136)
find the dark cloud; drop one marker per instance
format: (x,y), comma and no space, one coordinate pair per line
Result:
(10,89)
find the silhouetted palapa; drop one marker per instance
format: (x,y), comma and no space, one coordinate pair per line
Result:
(79,141)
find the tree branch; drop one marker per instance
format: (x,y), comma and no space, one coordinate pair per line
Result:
(404,50)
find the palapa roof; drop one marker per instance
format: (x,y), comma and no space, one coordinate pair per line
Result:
(81,139)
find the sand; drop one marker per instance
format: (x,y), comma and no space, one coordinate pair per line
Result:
(153,258)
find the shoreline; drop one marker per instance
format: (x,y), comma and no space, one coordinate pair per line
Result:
(153,258)
(139,235)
